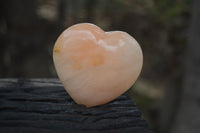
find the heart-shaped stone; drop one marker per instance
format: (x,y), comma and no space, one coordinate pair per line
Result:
(94,66)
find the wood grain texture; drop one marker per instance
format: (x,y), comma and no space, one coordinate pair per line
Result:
(43,106)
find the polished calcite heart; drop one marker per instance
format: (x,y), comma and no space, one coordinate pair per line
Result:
(94,66)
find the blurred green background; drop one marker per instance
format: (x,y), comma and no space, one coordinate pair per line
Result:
(29,29)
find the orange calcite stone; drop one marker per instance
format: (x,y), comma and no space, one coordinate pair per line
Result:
(94,66)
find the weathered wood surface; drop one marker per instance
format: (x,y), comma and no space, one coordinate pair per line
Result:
(43,106)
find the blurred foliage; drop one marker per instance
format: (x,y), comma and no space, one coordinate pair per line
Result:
(170,9)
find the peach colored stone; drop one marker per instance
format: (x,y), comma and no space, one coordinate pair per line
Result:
(94,66)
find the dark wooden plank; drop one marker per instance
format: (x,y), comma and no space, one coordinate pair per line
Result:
(42,105)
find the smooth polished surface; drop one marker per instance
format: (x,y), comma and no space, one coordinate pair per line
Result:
(95,66)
